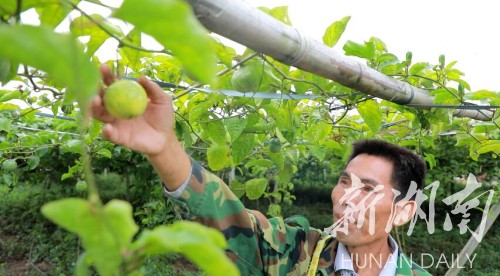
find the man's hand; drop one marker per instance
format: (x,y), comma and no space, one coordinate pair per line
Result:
(152,133)
(148,133)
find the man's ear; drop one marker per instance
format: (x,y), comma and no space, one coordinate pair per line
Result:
(405,212)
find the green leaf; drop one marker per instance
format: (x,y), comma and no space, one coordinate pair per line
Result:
(225,54)
(464,140)
(379,44)
(489,146)
(199,110)
(202,245)
(52,13)
(174,25)
(132,57)
(430,160)
(5,124)
(254,188)
(33,162)
(387,57)
(104,153)
(8,71)
(120,221)
(216,130)
(8,179)
(248,77)
(335,31)
(482,95)
(105,233)
(418,67)
(237,188)
(277,158)
(280,13)
(242,147)
(85,26)
(7,95)
(67,176)
(235,127)
(9,7)
(274,210)
(370,112)
(218,156)
(443,96)
(82,265)
(366,50)
(60,55)
(318,152)
(285,174)
(74,146)
(259,162)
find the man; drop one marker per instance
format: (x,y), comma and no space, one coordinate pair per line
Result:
(364,204)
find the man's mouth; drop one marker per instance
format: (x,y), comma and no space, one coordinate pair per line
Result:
(343,218)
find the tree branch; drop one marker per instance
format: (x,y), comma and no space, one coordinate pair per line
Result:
(120,40)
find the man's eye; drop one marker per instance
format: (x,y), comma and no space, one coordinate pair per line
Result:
(367,188)
(343,181)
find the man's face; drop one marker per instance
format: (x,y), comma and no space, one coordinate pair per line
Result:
(373,174)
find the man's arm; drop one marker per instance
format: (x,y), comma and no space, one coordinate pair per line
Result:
(152,133)
(256,244)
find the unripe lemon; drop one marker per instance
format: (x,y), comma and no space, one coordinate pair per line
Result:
(81,186)
(9,165)
(125,99)
(247,77)
(275,145)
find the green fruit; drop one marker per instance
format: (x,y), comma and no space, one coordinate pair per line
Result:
(275,145)
(247,77)
(125,99)
(81,186)
(67,108)
(9,165)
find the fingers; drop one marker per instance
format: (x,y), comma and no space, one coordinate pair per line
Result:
(110,133)
(154,91)
(98,111)
(107,75)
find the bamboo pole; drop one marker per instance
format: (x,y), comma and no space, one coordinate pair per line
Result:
(244,24)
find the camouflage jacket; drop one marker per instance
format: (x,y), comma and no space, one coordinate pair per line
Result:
(261,246)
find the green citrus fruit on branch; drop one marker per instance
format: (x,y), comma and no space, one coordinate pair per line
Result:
(125,99)
(247,77)
(275,145)
(81,186)
(9,165)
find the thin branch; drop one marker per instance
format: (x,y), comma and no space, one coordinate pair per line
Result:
(120,40)
(341,117)
(37,88)
(348,127)
(38,108)
(471,135)
(189,124)
(292,79)
(18,11)
(36,267)
(99,3)
(440,85)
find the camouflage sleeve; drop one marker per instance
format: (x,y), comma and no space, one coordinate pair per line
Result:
(259,246)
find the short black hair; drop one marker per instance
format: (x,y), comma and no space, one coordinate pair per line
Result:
(407,165)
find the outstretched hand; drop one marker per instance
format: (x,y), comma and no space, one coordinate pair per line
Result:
(149,133)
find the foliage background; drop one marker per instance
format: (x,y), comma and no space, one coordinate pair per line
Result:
(274,153)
